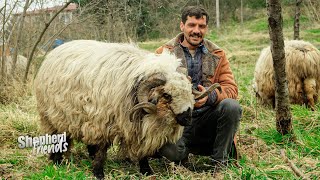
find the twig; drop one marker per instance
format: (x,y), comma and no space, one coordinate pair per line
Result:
(19,34)
(40,37)
(2,8)
(292,166)
(54,36)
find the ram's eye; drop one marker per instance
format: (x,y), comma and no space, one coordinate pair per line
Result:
(167,96)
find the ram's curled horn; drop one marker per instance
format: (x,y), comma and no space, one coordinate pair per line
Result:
(143,90)
(145,86)
(199,95)
(147,106)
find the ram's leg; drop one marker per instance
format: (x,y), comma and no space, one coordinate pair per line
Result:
(311,102)
(92,150)
(99,161)
(310,91)
(56,157)
(145,167)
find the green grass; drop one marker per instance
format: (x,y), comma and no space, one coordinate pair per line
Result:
(260,26)
(258,141)
(69,171)
(151,45)
(314,31)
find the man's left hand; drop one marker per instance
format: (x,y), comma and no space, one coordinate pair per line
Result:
(202,101)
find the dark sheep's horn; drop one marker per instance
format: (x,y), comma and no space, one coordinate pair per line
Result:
(147,106)
(199,95)
(144,87)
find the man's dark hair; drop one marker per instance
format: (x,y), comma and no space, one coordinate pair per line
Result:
(196,11)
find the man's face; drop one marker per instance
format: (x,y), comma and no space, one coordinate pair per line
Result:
(194,30)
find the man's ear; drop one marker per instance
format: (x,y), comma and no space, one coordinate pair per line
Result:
(181,26)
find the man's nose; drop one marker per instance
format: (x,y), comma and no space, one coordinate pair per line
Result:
(196,29)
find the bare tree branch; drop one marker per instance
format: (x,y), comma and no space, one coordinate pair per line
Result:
(1,9)
(3,63)
(294,168)
(40,37)
(51,40)
(17,42)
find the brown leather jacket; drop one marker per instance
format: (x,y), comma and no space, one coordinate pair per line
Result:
(215,67)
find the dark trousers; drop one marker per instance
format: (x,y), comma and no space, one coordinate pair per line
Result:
(211,134)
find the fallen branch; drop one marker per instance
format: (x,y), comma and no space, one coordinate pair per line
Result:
(292,166)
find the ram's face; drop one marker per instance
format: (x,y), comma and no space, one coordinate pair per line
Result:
(181,105)
(174,100)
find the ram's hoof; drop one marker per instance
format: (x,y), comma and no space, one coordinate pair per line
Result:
(98,174)
(146,171)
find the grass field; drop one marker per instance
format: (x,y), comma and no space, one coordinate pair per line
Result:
(258,141)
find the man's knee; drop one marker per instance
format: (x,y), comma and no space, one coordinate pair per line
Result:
(231,111)
(231,107)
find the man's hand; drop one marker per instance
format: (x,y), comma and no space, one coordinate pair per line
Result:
(202,101)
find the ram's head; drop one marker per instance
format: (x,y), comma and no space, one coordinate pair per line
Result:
(170,97)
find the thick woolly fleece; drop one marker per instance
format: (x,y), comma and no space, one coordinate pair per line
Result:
(86,88)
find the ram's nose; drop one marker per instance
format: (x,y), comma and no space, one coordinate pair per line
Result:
(184,118)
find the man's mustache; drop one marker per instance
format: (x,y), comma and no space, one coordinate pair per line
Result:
(196,35)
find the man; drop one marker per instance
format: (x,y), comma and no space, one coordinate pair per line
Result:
(215,118)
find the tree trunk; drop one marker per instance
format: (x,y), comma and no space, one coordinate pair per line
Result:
(283,113)
(296,25)
(241,12)
(217,13)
